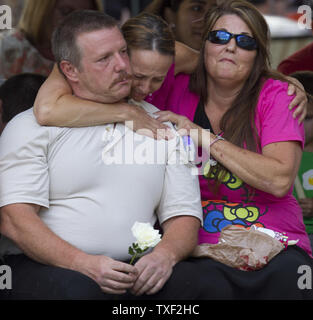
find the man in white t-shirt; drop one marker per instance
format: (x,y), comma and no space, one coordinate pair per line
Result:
(69,197)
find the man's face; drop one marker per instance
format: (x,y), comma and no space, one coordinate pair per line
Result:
(104,74)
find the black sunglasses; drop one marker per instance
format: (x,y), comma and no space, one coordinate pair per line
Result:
(243,41)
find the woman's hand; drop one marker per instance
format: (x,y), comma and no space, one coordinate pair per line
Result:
(181,122)
(300,99)
(184,126)
(138,120)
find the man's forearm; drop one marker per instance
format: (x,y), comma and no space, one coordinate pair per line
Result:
(20,223)
(180,237)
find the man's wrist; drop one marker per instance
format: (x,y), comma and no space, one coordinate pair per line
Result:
(169,254)
(78,262)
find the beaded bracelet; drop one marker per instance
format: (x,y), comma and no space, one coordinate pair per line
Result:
(212,162)
(217,138)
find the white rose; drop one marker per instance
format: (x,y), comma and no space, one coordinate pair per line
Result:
(146,236)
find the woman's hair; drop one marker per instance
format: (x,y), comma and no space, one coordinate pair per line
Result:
(35,14)
(238,122)
(158,6)
(149,32)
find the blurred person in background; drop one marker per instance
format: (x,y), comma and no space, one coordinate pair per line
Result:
(18,94)
(262,5)
(185,17)
(302,59)
(294,7)
(116,8)
(27,47)
(279,7)
(273,7)
(119,9)
(304,186)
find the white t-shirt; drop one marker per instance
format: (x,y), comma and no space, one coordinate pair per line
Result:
(93,183)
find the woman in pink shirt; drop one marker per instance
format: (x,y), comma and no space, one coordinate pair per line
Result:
(255,146)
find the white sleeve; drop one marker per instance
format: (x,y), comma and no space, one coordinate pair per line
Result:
(23,162)
(181,191)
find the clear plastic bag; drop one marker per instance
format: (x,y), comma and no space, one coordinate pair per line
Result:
(244,249)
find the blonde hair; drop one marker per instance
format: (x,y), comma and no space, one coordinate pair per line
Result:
(34,15)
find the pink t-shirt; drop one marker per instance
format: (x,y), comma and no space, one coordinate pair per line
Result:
(231,205)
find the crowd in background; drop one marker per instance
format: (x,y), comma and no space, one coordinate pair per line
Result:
(116,8)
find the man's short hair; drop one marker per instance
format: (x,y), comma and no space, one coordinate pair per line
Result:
(18,94)
(64,39)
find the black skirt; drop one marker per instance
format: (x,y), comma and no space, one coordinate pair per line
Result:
(287,276)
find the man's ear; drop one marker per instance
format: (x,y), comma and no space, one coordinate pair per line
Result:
(70,71)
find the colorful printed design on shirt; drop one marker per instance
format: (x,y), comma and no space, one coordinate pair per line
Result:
(231,181)
(219,214)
